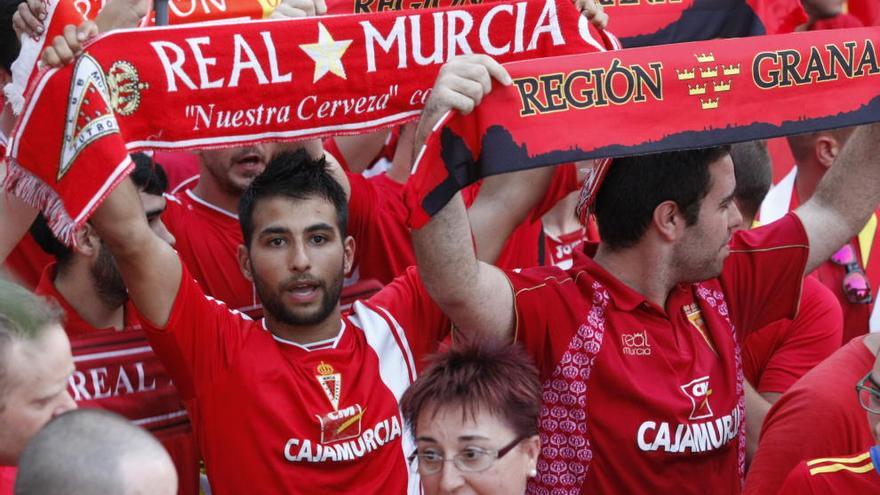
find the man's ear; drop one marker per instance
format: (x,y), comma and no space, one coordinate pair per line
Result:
(244,263)
(87,241)
(826,149)
(668,220)
(348,246)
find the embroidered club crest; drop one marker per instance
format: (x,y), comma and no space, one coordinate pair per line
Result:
(88,112)
(331,383)
(125,87)
(695,317)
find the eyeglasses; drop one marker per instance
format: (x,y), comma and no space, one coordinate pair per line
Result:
(869,395)
(470,460)
(855,283)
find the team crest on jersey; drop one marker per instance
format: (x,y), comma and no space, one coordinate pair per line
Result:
(695,317)
(341,425)
(88,112)
(331,383)
(698,391)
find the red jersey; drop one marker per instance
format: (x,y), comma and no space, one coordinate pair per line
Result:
(829,476)
(273,416)
(180,167)
(7,479)
(118,371)
(27,261)
(819,414)
(523,247)
(559,251)
(642,399)
(207,240)
(777,355)
(377,221)
(858,319)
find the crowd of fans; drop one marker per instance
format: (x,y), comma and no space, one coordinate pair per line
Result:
(261,319)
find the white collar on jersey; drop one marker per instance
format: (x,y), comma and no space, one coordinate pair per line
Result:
(320,345)
(204,203)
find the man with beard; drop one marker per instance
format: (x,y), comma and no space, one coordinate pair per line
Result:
(638,344)
(116,369)
(306,400)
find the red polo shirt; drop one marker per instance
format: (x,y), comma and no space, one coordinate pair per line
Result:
(818,415)
(832,475)
(116,370)
(779,354)
(643,399)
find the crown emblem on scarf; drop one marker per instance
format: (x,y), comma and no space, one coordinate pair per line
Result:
(125,87)
(685,74)
(730,70)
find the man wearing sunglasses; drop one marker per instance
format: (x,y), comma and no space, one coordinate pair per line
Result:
(849,474)
(854,268)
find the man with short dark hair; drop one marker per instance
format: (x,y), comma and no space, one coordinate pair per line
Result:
(35,362)
(638,346)
(306,400)
(94,452)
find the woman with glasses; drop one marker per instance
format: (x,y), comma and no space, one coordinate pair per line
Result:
(474,415)
(847,474)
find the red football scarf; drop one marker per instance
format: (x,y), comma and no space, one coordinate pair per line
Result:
(648,22)
(233,84)
(63,12)
(647,100)
(189,11)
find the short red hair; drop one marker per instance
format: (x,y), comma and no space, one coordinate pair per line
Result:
(481,375)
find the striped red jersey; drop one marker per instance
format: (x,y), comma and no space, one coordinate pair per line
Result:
(273,416)
(833,475)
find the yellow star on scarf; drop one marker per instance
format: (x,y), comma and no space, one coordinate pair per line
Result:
(327,53)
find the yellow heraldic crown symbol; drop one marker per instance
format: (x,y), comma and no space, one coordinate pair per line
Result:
(125,87)
(325,369)
(709,92)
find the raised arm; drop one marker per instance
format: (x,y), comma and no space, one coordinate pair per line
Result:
(504,202)
(476,296)
(846,196)
(149,266)
(15,219)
